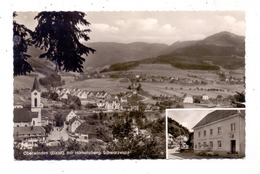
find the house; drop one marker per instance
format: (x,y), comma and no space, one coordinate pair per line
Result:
(187,98)
(92,94)
(113,104)
(64,96)
(123,99)
(221,131)
(74,123)
(86,131)
(134,105)
(70,115)
(205,97)
(101,103)
(83,95)
(28,137)
(101,95)
(126,107)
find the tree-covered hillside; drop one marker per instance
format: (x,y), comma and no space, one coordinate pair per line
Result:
(176,129)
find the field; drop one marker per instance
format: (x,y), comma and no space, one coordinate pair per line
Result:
(165,70)
(112,86)
(179,90)
(115,86)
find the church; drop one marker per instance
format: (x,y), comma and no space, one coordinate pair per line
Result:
(28,130)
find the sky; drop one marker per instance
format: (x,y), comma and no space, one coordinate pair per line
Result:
(188,118)
(154,27)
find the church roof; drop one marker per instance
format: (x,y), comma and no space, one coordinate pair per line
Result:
(24,115)
(36,85)
(215,116)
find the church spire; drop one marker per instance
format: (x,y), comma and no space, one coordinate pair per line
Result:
(36,85)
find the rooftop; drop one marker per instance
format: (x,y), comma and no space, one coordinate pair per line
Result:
(36,85)
(24,115)
(20,131)
(217,115)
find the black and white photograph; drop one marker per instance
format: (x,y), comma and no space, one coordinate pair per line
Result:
(206,134)
(96,85)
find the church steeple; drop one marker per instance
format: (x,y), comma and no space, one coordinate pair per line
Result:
(36,101)
(36,85)
(35,96)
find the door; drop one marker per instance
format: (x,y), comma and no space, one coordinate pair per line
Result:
(233,146)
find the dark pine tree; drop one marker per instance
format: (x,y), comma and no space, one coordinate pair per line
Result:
(21,40)
(59,35)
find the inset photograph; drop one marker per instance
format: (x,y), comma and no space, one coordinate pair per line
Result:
(206,134)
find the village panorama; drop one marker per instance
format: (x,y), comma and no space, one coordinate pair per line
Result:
(107,99)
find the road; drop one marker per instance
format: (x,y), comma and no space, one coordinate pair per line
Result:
(172,154)
(57,134)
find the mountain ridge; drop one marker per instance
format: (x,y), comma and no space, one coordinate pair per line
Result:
(215,48)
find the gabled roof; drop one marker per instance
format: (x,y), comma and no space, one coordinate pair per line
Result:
(23,115)
(19,131)
(215,116)
(36,85)
(75,119)
(187,95)
(86,128)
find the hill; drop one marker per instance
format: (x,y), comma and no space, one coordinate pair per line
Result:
(223,49)
(108,53)
(176,129)
(42,66)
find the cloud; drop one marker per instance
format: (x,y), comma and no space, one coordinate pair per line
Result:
(230,23)
(101,27)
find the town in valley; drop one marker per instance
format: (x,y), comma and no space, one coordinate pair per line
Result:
(78,95)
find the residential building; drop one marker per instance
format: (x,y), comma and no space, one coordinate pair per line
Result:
(74,123)
(70,115)
(221,131)
(205,97)
(188,99)
(28,137)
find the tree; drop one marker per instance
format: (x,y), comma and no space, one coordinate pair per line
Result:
(139,87)
(58,34)
(59,120)
(21,39)
(54,96)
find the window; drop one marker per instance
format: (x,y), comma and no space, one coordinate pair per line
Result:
(219,144)
(33,122)
(211,131)
(199,134)
(204,144)
(219,130)
(205,132)
(17,126)
(211,143)
(35,102)
(233,126)
(199,144)
(196,146)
